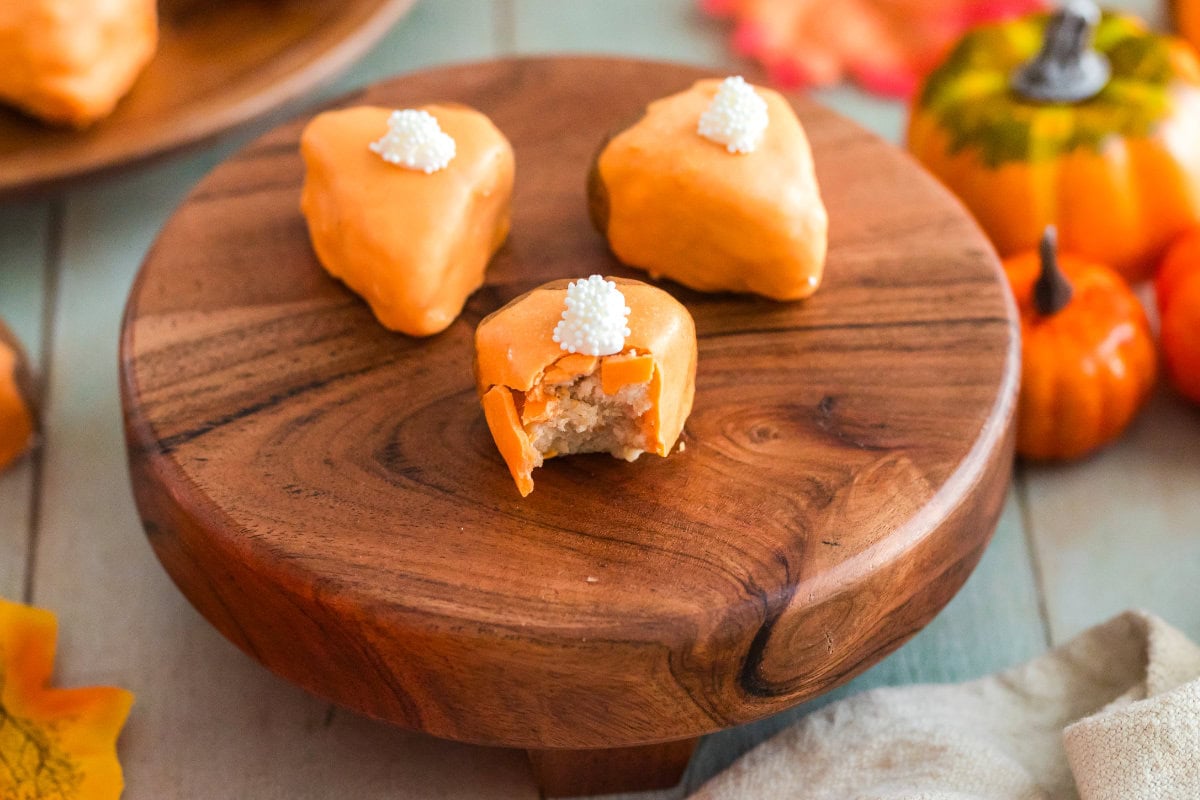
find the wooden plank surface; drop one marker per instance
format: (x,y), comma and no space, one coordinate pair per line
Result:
(672,30)
(1122,529)
(1116,531)
(25,254)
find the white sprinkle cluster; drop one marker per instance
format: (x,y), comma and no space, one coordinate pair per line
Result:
(414,140)
(596,319)
(736,117)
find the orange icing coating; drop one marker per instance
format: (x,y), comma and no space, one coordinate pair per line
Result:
(682,207)
(16,420)
(505,424)
(515,356)
(619,371)
(70,61)
(569,366)
(413,245)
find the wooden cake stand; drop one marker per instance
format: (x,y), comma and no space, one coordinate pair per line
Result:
(327,494)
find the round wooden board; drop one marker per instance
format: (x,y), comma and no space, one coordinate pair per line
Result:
(328,495)
(219,65)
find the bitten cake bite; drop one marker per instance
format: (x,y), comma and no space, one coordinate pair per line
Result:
(68,62)
(591,366)
(407,207)
(16,406)
(714,188)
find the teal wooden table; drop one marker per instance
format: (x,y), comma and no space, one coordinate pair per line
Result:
(1076,544)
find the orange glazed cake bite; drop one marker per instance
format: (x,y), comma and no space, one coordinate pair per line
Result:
(714,188)
(591,366)
(407,207)
(70,61)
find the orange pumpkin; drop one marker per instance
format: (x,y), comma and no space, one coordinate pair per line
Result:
(1085,121)
(1187,19)
(1178,291)
(1087,356)
(16,417)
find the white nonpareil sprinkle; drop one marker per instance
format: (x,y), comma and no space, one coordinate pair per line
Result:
(736,117)
(414,140)
(596,319)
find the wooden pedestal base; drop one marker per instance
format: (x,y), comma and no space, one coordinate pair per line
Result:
(575,773)
(327,493)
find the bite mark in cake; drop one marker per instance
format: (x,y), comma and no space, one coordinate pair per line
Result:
(622,397)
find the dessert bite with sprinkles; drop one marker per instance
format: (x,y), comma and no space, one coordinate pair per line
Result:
(714,188)
(589,366)
(407,206)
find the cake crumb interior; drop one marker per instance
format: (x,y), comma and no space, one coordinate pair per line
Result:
(580,417)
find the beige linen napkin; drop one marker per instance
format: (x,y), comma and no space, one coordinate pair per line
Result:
(1113,714)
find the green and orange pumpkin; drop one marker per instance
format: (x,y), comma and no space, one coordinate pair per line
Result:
(1116,166)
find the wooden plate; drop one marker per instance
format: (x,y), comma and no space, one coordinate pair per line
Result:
(327,493)
(219,64)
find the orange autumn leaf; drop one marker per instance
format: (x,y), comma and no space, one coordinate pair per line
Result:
(55,744)
(887,46)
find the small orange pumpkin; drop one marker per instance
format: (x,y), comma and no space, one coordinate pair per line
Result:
(1186,14)
(16,416)
(1087,356)
(1178,291)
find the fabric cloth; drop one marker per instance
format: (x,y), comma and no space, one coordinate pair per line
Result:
(1112,714)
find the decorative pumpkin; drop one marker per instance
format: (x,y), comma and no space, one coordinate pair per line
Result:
(55,744)
(16,416)
(1031,126)
(1087,355)
(1178,290)
(1186,14)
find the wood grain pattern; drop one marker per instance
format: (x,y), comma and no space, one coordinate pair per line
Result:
(327,495)
(219,65)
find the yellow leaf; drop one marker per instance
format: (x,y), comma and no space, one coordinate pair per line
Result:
(55,744)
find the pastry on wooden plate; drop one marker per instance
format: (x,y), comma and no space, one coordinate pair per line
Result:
(16,403)
(591,366)
(68,62)
(407,207)
(714,188)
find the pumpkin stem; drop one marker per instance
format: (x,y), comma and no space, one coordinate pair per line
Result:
(1052,291)
(1067,70)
